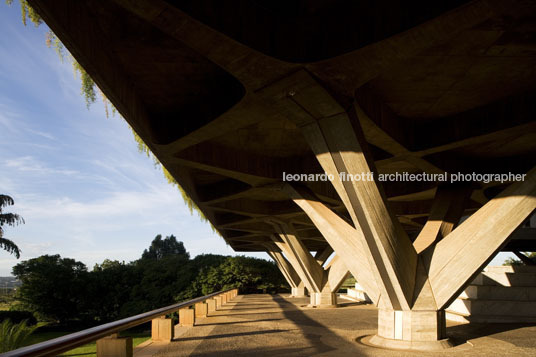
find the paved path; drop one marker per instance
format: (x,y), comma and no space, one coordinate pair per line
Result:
(266,325)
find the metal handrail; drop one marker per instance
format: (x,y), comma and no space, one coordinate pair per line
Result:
(73,340)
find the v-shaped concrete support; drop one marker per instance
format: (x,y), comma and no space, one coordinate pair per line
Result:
(286,269)
(321,283)
(463,253)
(306,266)
(337,273)
(345,239)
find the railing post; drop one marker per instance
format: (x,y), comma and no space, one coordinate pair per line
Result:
(211,306)
(162,329)
(223,299)
(201,309)
(219,301)
(114,346)
(186,317)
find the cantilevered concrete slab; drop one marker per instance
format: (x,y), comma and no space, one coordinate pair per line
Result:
(232,96)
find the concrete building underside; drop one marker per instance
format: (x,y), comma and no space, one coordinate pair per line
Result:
(233,95)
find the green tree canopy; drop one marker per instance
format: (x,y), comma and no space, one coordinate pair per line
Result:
(9,219)
(161,248)
(52,287)
(62,290)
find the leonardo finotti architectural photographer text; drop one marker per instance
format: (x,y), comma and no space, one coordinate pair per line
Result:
(406,176)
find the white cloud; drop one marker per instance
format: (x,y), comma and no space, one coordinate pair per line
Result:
(115,204)
(42,134)
(30,164)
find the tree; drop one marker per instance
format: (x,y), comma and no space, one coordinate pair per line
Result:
(161,248)
(108,289)
(245,273)
(515,262)
(53,287)
(10,219)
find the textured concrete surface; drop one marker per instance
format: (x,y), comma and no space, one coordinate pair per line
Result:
(265,325)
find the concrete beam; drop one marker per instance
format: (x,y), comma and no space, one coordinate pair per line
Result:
(445,213)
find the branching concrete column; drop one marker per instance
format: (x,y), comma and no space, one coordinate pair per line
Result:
(410,284)
(292,278)
(337,141)
(322,289)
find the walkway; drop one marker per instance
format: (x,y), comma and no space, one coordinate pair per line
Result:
(266,325)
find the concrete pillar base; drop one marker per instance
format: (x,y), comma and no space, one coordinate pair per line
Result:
(388,343)
(323,300)
(298,292)
(420,330)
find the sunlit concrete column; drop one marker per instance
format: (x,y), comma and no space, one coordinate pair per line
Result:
(322,283)
(288,272)
(310,272)
(418,330)
(411,284)
(298,291)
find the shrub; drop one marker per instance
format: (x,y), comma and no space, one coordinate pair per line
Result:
(13,336)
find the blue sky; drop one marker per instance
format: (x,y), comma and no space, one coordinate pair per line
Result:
(77,177)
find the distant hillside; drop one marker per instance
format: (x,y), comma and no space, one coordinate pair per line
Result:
(9,282)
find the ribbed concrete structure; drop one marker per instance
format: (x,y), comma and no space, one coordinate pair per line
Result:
(234,96)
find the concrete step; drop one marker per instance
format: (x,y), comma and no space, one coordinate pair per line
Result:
(505,278)
(358,294)
(495,307)
(454,316)
(499,292)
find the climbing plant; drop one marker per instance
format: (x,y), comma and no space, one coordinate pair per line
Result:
(90,91)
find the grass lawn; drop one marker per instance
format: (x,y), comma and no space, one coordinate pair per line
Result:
(6,302)
(88,350)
